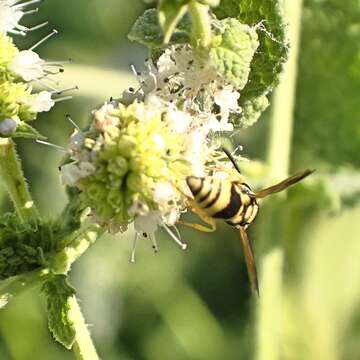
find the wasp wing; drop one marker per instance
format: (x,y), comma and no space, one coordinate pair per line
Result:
(283,184)
(250,261)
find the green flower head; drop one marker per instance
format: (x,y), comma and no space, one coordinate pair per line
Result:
(129,163)
(15,101)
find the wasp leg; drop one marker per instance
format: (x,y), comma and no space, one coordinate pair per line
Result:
(200,227)
(203,216)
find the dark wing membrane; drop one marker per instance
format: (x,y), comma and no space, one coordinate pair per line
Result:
(283,184)
(250,261)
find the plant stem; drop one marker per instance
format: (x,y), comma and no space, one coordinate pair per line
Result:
(74,246)
(14,181)
(284,99)
(83,347)
(201,26)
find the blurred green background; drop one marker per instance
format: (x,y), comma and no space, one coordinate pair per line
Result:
(197,304)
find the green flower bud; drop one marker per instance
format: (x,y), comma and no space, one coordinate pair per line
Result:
(13,101)
(7,53)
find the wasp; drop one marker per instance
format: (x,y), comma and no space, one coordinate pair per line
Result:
(234,202)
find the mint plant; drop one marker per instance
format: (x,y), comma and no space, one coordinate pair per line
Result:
(211,67)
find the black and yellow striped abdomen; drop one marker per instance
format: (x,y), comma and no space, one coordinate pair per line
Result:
(233,202)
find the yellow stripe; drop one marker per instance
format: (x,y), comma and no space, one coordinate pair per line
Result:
(206,187)
(245,200)
(224,199)
(214,190)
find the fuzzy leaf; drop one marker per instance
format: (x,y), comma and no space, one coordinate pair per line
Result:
(233,56)
(252,110)
(268,61)
(170,13)
(147,30)
(58,294)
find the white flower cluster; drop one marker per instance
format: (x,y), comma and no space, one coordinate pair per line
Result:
(24,67)
(181,101)
(11,12)
(192,85)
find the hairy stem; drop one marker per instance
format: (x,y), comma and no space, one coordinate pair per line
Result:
(83,347)
(201,26)
(74,246)
(14,181)
(284,99)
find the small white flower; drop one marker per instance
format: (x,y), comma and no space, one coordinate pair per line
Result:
(227,100)
(148,223)
(70,174)
(159,141)
(138,208)
(40,102)
(163,192)
(10,16)
(149,109)
(8,126)
(178,120)
(103,117)
(86,168)
(172,217)
(28,65)
(11,12)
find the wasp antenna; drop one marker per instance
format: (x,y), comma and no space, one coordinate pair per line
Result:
(72,122)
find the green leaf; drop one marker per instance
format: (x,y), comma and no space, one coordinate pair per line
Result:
(24,130)
(273,49)
(233,56)
(251,111)
(267,64)
(147,30)
(228,9)
(170,14)
(58,294)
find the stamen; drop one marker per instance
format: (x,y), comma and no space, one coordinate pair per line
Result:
(57,147)
(154,243)
(37,27)
(73,123)
(173,236)
(132,257)
(25,4)
(58,63)
(54,32)
(64,98)
(133,69)
(59,92)
(48,72)
(29,12)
